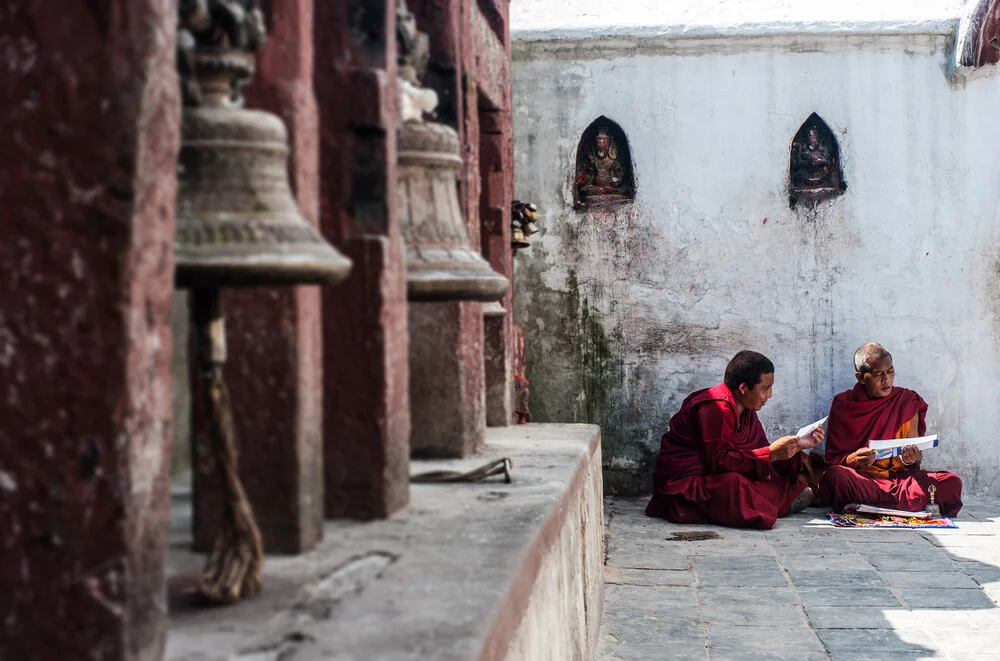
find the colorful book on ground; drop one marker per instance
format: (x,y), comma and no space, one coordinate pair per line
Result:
(885,511)
(894,446)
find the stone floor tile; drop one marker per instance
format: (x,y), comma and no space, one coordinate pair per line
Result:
(740,643)
(756,606)
(646,556)
(756,563)
(756,615)
(624,543)
(648,577)
(945,598)
(645,596)
(735,578)
(911,562)
(850,617)
(881,597)
(986,555)
(917,544)
(919,579)
(878,644)
(882,655)
(723,596)
(884,536)
(814,543)
(849,578)
(652,630)
(673,649)
(824,562)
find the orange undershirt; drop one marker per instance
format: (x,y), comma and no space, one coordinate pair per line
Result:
(885,468)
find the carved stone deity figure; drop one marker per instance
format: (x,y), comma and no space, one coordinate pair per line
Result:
(814,167)
(601,174)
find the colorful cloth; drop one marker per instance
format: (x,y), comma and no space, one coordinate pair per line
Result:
(714,466)
(868,521)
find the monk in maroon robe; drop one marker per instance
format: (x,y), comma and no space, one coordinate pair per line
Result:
(715,464)
(877,410)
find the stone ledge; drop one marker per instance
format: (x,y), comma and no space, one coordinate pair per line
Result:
(468,571)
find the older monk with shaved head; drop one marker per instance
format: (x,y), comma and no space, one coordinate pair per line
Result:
(876,409)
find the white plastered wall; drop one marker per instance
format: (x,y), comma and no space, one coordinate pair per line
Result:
(710,259)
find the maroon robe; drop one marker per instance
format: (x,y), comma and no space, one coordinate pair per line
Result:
(856,419)
(714,467)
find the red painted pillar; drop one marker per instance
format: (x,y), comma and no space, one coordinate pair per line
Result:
(496,171)
(274,371)
(87,184)
(366,373)
(447,380)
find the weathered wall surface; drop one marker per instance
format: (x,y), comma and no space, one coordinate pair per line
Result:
(627,311)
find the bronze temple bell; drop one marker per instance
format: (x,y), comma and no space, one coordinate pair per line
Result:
(440,264)
(237,222)
(237,225)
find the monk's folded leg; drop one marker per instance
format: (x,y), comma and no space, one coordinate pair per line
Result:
(842,485)
(737,501)
(912,490)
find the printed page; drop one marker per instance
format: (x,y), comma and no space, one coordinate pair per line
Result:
(809,429)
(893,446)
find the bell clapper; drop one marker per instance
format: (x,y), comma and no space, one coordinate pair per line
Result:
(233,568)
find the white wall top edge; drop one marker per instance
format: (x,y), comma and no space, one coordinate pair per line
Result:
(942,27)
(556,20)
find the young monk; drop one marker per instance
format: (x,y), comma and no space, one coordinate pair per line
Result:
(715,463)
(876,410)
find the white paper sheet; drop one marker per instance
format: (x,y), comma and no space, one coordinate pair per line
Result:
(809,429)
(893,446)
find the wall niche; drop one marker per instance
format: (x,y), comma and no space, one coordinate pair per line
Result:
(814,172)
(603,166)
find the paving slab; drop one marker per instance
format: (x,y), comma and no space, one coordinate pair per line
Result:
(855,577)
(920,579)
(878,644)
(646,556)
(740,643)
(751,606)
(648,577)
(848,596)
(852,617)
(945,598)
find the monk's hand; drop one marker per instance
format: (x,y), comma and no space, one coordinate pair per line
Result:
(910,455)
(784,448)
(812,440)
(862,457)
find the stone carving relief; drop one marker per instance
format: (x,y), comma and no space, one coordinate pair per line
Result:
(603,166)
(814,165)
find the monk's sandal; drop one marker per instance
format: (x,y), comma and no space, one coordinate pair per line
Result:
(802,501)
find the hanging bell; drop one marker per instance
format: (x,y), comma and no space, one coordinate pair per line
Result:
(530,229)
(440,265)
(237,221)
(517,239)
